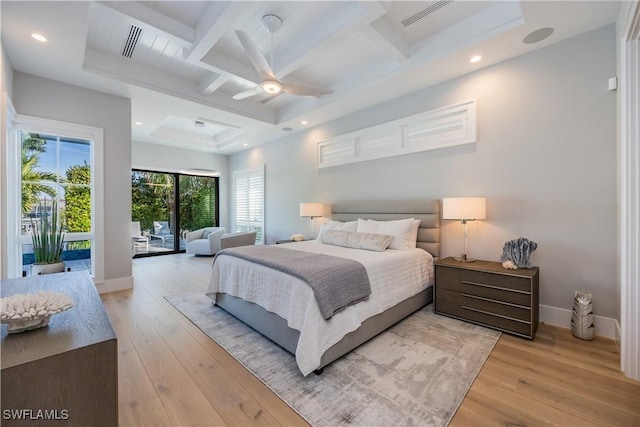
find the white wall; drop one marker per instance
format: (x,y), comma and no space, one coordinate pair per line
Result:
(7,73)
(6,95)
(545,159)
(53,100)
(170,159)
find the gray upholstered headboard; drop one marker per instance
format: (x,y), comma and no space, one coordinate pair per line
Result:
(426,210)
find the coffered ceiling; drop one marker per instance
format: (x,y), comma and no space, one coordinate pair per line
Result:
(182,62)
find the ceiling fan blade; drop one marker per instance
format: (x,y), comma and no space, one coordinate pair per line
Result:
(247,93)
(257,59)
(305,90)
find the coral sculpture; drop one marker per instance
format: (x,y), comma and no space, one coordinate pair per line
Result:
(24,312)
(582,316)
(516,253)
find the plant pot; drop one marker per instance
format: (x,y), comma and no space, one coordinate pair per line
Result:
(57,267)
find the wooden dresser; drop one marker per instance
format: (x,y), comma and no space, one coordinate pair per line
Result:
(65,374)
(484,292)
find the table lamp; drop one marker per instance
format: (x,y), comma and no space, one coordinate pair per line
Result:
(464,209)
(313,210)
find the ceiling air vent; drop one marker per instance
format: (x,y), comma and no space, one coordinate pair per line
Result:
(425,12)
(132,41)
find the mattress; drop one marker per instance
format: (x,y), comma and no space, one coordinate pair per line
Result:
(394,276)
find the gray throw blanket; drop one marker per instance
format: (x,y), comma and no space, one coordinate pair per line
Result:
(336,282)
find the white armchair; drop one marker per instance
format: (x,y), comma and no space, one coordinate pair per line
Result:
(205,241)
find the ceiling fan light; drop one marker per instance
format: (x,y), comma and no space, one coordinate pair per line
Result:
(271,86)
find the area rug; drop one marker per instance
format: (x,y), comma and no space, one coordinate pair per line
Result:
(415,373)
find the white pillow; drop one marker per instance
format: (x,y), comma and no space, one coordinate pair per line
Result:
(337,225)
(404,231)
(355,240)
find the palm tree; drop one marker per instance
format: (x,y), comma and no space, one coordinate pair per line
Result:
(32,180)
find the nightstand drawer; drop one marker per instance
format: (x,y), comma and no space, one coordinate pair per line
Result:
(514,290)
(497,281)
(486,305)
(457,305)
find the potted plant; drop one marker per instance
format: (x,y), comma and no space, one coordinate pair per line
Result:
(48,240)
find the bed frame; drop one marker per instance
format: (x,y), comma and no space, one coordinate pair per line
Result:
(275,328)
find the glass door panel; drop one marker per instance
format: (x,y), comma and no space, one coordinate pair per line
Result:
(153,208)
(198,204)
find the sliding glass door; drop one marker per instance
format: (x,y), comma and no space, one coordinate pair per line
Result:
(166,206)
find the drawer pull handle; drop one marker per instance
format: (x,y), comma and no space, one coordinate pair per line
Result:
(482,285)
(524,307)
(496,315)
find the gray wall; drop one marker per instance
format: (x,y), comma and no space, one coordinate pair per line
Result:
(170,159)
(545,160)
(53,100)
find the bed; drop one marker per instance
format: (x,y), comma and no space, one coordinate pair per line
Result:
(282,307)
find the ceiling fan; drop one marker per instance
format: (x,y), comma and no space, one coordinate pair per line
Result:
(268,81)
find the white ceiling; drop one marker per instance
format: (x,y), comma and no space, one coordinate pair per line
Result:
(188,62)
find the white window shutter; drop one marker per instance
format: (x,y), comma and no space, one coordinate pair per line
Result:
(249,201)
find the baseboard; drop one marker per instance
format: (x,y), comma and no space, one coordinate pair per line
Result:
(605,326)
(114,285)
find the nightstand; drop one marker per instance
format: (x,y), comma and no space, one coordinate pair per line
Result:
(485,293)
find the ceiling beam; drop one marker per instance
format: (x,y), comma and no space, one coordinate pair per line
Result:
(140,75)
(353,17)
(385,36)
(229,68)
(211,82)
(219,19)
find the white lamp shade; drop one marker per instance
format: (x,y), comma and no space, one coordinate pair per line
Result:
(314,209)
(464,208)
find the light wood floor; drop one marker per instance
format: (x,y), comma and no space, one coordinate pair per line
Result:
(171,373)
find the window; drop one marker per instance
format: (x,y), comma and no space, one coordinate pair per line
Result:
(165,205)
(58,162)
(248,197)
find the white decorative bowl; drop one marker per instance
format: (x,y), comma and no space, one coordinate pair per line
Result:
(24,312)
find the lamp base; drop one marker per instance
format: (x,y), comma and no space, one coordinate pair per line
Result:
(464,258)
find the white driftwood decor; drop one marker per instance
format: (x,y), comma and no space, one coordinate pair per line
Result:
(582,324)
(23,312)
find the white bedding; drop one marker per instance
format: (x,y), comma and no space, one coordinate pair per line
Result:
(395,275)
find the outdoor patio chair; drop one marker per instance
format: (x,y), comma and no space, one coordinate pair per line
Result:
(162,231)
(137,239)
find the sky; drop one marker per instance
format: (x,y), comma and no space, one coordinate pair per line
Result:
(72,152)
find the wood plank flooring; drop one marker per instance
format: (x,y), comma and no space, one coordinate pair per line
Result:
(171,373)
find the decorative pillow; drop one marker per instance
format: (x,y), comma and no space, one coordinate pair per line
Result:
(404,231)
(205,234)
(355,240)
(413,242)
(337,225)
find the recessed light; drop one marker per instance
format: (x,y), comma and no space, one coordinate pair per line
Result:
(476,58)
(39,37)
(304,122)
(138,123)
(245,144)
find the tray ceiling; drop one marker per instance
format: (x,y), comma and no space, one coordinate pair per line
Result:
(181,61)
